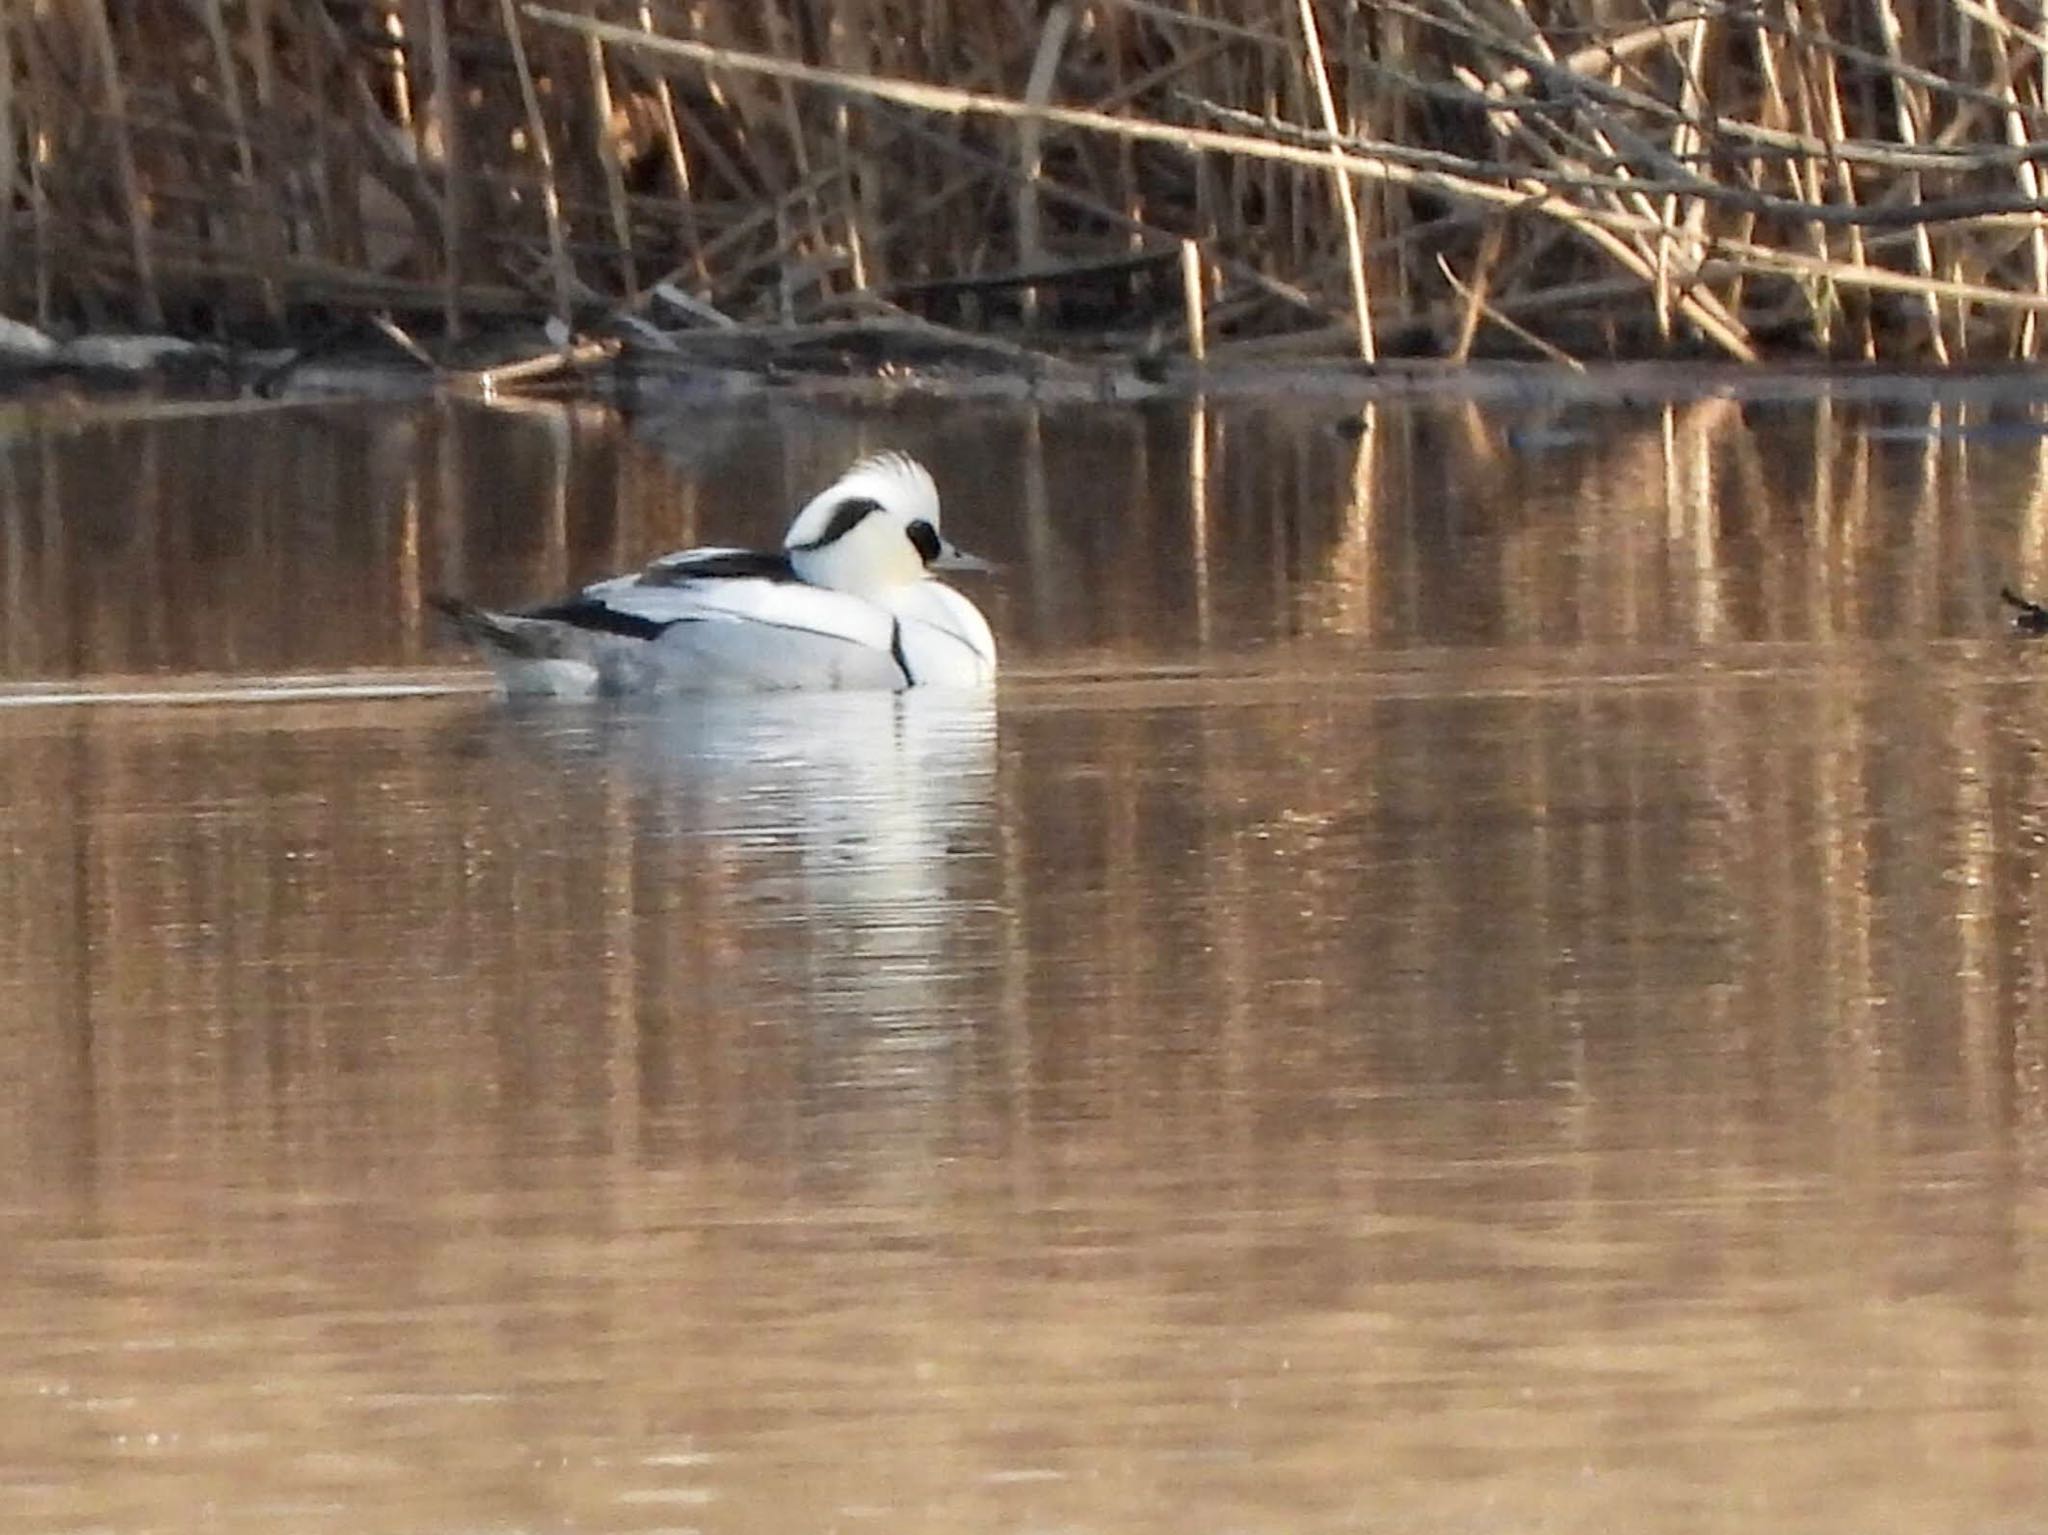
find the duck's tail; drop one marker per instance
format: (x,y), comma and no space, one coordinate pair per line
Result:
(533,655)
(504,634)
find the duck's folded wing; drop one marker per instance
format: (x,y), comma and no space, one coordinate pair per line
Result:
(749,601)
(747,631)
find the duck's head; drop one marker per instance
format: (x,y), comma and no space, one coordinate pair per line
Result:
(874,528)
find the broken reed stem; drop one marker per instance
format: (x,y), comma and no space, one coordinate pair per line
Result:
(1827,89)
(544,158)
(849,22)
(678,158)
(1910,107)
(8,165)
(799,146)
(1192,301)
(115,93)
(41,220)
(392,25)
(447,129)
(1477,303)
(488,381)
(1475,296)
(1045,63)
(2026,343)
(1347,197)
(1686,141)
(608,158)
(259,233)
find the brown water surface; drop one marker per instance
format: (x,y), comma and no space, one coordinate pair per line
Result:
(1480,974)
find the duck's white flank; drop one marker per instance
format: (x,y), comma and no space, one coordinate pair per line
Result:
(848,601)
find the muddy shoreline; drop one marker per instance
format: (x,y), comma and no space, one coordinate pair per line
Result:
(829,363)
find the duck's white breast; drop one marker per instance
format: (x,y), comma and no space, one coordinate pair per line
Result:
(943,639)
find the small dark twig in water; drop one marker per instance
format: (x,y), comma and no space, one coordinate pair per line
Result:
(2031,618)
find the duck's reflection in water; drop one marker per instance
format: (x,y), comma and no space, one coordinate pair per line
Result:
(841,841)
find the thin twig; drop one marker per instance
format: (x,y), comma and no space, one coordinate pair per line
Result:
(544,157)
(1318,71)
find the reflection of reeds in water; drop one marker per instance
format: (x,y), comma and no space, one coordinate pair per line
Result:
(1664,524)
(1860,182)
(156,545)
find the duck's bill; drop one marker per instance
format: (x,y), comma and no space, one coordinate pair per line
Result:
(953,557)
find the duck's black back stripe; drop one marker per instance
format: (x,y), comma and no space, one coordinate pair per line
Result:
(583,613)
(736,565)
(896,653)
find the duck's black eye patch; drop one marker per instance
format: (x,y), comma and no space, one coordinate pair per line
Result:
(925,539)
(846,516)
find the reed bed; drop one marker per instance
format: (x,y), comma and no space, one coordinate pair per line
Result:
(1237,178)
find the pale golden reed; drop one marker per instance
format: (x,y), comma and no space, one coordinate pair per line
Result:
(1533,177)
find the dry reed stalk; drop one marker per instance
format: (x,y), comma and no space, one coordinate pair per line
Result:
(678,158)
(1599,125)
(772,215)
(1833,129)
(1533,198)
(850,21)
(312,219)
(489,381)
(1192,302)
(1490,244)
(1508,127)
(1399,114)
(1318,71)
(1576,178)
(392,24)
(2034,186)
(1045,64)
(882,319)
(1127,193)
(37,101)
(1686,140)
(9,167)
(608,159)
(1479,305)
(115,94)
(445,105)
(544,158)
(258,229)
(2026,343)
(1742,137)
(1778,108)
(1910,110)
(399,337)
(1606,227)
(798,143)
(785,287)
(1296,300)
(1759,259)
(1607,53)
(1987,13)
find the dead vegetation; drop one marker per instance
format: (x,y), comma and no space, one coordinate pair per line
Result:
(1245,177)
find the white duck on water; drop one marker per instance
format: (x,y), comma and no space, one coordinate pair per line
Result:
(849,601)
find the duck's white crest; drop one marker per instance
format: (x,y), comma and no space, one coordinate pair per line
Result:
(860,534)
(848,602)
